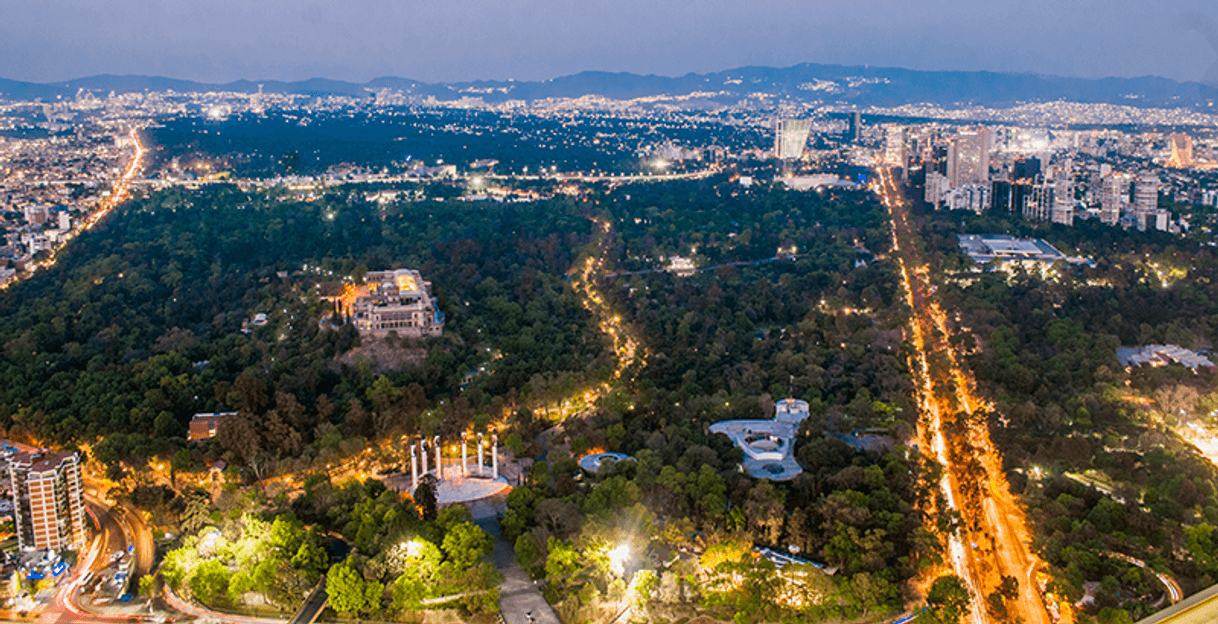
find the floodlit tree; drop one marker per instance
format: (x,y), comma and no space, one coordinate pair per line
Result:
(347,589)
(948,600)
(209,581)
(465,545)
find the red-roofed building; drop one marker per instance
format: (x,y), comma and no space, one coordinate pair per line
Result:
(204,426)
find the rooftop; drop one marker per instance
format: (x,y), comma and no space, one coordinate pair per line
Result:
(984,248)
(593,463)
(51,462)
(1160,355)
(768,445)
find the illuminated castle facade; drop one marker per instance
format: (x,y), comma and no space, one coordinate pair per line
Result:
(397,301)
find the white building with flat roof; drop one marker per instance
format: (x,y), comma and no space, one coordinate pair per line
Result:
(768,445)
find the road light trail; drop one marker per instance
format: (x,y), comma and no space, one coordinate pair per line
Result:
(973,482)
(122,188)
(119,194)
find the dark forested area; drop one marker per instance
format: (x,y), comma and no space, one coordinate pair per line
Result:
(724,343)
(137,326)
(285,142)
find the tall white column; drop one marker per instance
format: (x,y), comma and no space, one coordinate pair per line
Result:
(481,471)
(464,453)
(423,452)
(414,469)
(495,455)
(439,458)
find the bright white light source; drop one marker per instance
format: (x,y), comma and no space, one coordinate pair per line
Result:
(618,558)
(413,548)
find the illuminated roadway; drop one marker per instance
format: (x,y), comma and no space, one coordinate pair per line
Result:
(1200,608)
(992,540)
(118,194)
(1174,594)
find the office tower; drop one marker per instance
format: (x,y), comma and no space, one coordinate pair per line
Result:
(790,137)
(48,501)
(968,157)
(1026,169)
(854,130)
(1000,195)
(894,145)
(1181,150)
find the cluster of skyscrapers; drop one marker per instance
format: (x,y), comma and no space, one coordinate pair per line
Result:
(957,172)
(1040,173)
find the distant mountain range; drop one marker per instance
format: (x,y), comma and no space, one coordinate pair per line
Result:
(862,86)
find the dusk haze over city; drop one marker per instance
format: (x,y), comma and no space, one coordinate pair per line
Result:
(544,312)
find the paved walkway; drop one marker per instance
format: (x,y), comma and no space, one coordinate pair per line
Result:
(518,596)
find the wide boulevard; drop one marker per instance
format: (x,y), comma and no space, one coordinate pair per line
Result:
(992,540)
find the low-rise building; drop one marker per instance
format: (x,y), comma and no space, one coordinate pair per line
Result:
(1156,355)
(768,445)
(998,248)
(204,426)
(682,266)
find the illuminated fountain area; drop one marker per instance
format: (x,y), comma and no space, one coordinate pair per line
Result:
(768,445)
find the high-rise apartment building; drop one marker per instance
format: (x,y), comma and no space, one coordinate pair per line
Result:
(854,130)
(1146,194)
(48,500)
(1113,198)
(1063,201)
(974,197)
(936,188)
(1038,204)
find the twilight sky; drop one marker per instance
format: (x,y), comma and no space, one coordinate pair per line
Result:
(449,40)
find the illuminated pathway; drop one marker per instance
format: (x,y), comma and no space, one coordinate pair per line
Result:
(992,540)
(625,345)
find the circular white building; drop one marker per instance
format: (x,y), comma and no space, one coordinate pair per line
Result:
(592,463)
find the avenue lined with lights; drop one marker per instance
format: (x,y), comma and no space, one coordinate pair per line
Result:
(992,540)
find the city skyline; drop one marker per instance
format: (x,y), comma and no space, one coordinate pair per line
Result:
(908,315)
